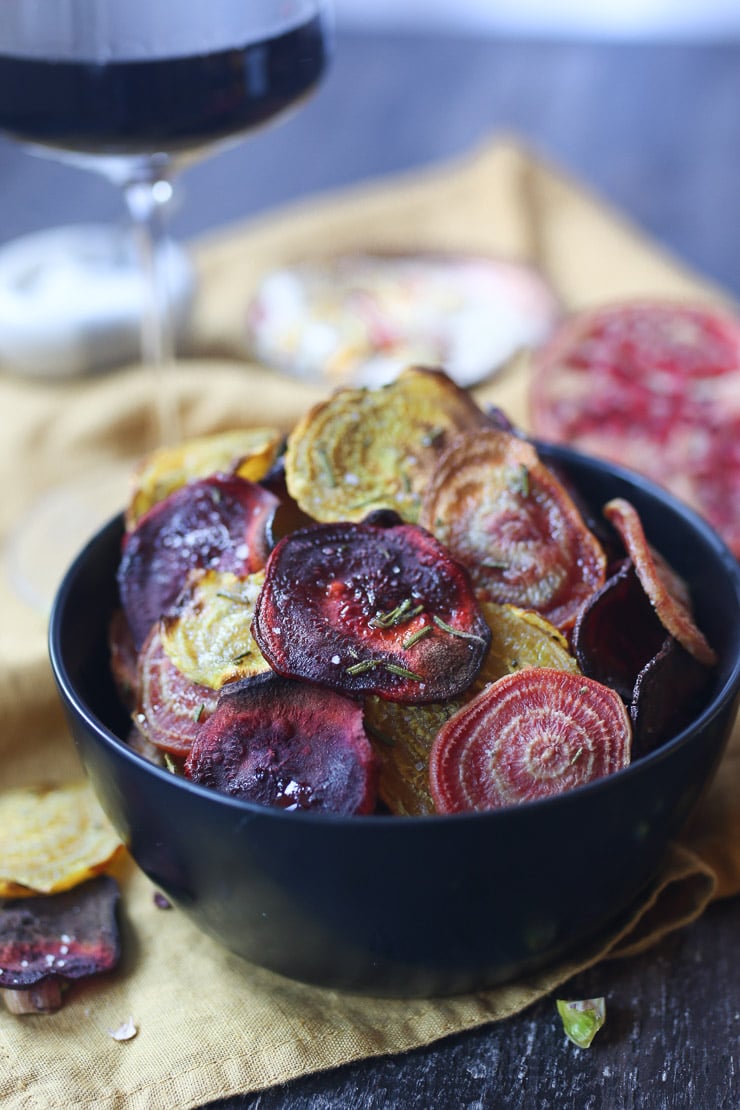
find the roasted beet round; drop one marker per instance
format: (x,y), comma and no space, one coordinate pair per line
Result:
(286,744)
(218,522)
(369,608)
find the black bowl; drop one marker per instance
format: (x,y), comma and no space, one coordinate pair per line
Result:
(394,905)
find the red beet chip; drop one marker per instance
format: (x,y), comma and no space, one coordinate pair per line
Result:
(286,744)
(373,607)
(667,593)
(217,522)
(531,734)
(617,632)
(668,693)
(170,707)
(59,936)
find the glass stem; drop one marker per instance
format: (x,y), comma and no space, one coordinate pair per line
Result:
(147,201)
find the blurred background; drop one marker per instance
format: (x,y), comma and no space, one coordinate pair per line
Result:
(638,99)
(668,19)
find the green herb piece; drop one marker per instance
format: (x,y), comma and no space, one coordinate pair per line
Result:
(520,481)
(363,666)
(402,614)
(237,598)
(416,636)
(456,631)
(199,713)
(403,672)
(582,1019)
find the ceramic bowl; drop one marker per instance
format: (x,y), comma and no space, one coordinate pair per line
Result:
(406,906)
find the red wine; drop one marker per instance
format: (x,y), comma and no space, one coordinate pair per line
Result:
(171,104)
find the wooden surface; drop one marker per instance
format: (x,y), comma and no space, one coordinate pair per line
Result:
(656,130)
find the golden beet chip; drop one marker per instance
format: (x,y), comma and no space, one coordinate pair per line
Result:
(208,633)
(249,453)
(369,449)
(403,735)
(52,838)
(504,515)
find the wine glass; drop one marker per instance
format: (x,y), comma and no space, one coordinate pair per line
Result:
(136,90)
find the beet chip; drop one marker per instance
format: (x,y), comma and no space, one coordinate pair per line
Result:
(376,608)
(217,522)
(286,744)
(50,938)
(170,708)
(531,734)
(668,693)
(617,632)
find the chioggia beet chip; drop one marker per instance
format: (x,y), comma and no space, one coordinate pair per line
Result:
(371,608)
(216,523)
(531,734)
(171,707)
(286,744)
(504,515)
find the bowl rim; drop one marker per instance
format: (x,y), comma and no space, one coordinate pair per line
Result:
(728,691)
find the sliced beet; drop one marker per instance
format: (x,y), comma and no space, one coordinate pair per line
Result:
(170,708)
(217,522)
(668,594)
(667,696)
(504,515)
(286,744)
(59,936)
(369,608)
(531,734)
(617,632)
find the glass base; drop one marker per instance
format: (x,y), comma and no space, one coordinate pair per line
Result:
(48,537)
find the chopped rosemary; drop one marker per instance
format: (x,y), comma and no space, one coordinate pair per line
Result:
(403,672)
(227,596)
(363,666)
(520,482)
(242,656)
(456,631)
(402,614)
(199,712)
(416,636)
(326,467)
(378,735)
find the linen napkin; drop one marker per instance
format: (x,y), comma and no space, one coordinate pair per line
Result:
(208,1024)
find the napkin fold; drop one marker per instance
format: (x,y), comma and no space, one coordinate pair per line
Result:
(210,1025)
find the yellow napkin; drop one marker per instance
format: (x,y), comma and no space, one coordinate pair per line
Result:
(210,1025)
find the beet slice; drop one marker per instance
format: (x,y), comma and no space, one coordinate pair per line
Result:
(532,734)
(64,936)
(505,516)
(217,522)
(286,744)
(372,607)
(617,632)
(653,385)
(170,708)
(668,693)
(658,580)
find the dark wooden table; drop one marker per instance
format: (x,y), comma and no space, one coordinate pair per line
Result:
(656,130)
